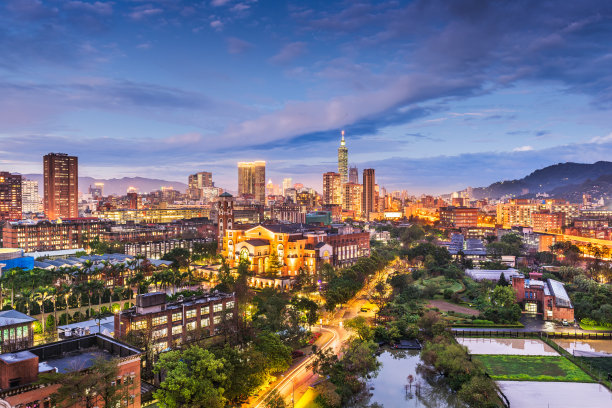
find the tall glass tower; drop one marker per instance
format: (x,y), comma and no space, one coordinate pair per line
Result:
(343,161)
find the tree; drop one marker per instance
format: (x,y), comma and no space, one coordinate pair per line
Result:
(276,354)
(360,327)
(191,378)
(503,296)
(41,296)
(502,280)
(88,388)
(274,264)
(274,400)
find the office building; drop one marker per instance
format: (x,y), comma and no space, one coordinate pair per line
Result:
(546,221)
(15,331)
(547,298)
(353,175)
(19,379)
(97,190)
(10,196)
(332,188)
(252,180)
(61,185)
(343,160)
(30,199)
(170,324)
(369,201)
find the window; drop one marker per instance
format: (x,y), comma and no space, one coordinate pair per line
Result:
(139,325)
(217,319)
(177,316)
(204,310)
(218,307)
(177,330)
(160,333)
(229,305)
(229,316)
(157,320)
(205,322)
(191,326)
(190,313)
(160,346)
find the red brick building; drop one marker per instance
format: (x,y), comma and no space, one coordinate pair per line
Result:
(547,298)
(546,221)
(15,331)
(19,370)
(171,324)
(10,196)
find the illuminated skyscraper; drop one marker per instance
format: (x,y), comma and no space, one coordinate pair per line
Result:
(343,160)
(197,182)
(10,196)
(368,203)
(61,179)
(351,198)
(332,188)
(287,184)
(252,180)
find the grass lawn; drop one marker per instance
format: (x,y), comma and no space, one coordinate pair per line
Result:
(442,283)
(585,326)
(532,368)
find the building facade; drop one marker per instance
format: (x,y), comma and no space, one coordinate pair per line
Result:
(15,331)
(61,186)
(10,196)
(459,217)
(30,198)
(169,325)
(352,197)
(353,175)
(547,298)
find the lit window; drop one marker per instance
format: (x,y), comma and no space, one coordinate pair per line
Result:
(229,316)
(205,322)
(218,307)
(204,310)
(229,305)
(190,313)
(177,329)
(160,333)
(157,320)
(217,319)
(139,325)
(191,326)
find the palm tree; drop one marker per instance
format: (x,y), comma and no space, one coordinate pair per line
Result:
(41,296)
(25,298)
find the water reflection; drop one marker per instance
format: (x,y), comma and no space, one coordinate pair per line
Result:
(586,347)
(388,388)
(525,347)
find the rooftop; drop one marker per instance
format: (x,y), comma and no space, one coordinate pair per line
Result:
(9,317)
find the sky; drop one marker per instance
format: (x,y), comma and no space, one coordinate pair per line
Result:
(435,95)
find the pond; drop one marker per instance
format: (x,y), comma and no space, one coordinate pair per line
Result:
(524,347)
(388,387)
(587,348)
(535,394)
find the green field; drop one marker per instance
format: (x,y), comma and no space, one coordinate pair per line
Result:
(603,365)
(532,368)
(586,326)
(442,284)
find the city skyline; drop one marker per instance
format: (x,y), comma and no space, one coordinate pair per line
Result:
(466,94)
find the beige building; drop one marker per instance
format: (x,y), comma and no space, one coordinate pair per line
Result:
(332,189)
(252,180)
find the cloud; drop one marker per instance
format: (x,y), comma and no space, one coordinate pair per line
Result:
(98,7)
(602,139)
(144,11)
(288,53)
(522,149)
(237,46)
(218,3)
(216,24)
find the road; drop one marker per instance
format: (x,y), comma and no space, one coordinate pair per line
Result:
(297,379)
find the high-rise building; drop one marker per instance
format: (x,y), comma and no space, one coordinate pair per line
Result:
(10,196)
(61,179)
(97,191)
(252,180)
(287,184)
(30,199)
(197,182)
(351,198)
(343,160)
(353,175)
(332,188)
(369,198)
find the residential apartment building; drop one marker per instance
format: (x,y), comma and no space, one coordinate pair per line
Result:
(369,200)
(30,199)
(252,180)
(154,215)
(546,221)
(10,196)
(332,189)
(459,217)
(170,324)
(352,198)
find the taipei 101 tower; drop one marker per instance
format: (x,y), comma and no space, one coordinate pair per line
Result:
(343,161)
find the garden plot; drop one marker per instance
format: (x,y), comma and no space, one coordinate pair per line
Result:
(532,368)
(524,347)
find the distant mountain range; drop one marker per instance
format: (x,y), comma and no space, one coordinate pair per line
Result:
(563,180)
(118,186)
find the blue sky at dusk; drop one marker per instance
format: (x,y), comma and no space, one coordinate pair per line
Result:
(435,95)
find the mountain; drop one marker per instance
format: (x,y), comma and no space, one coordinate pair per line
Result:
(564,179)
(118,186)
